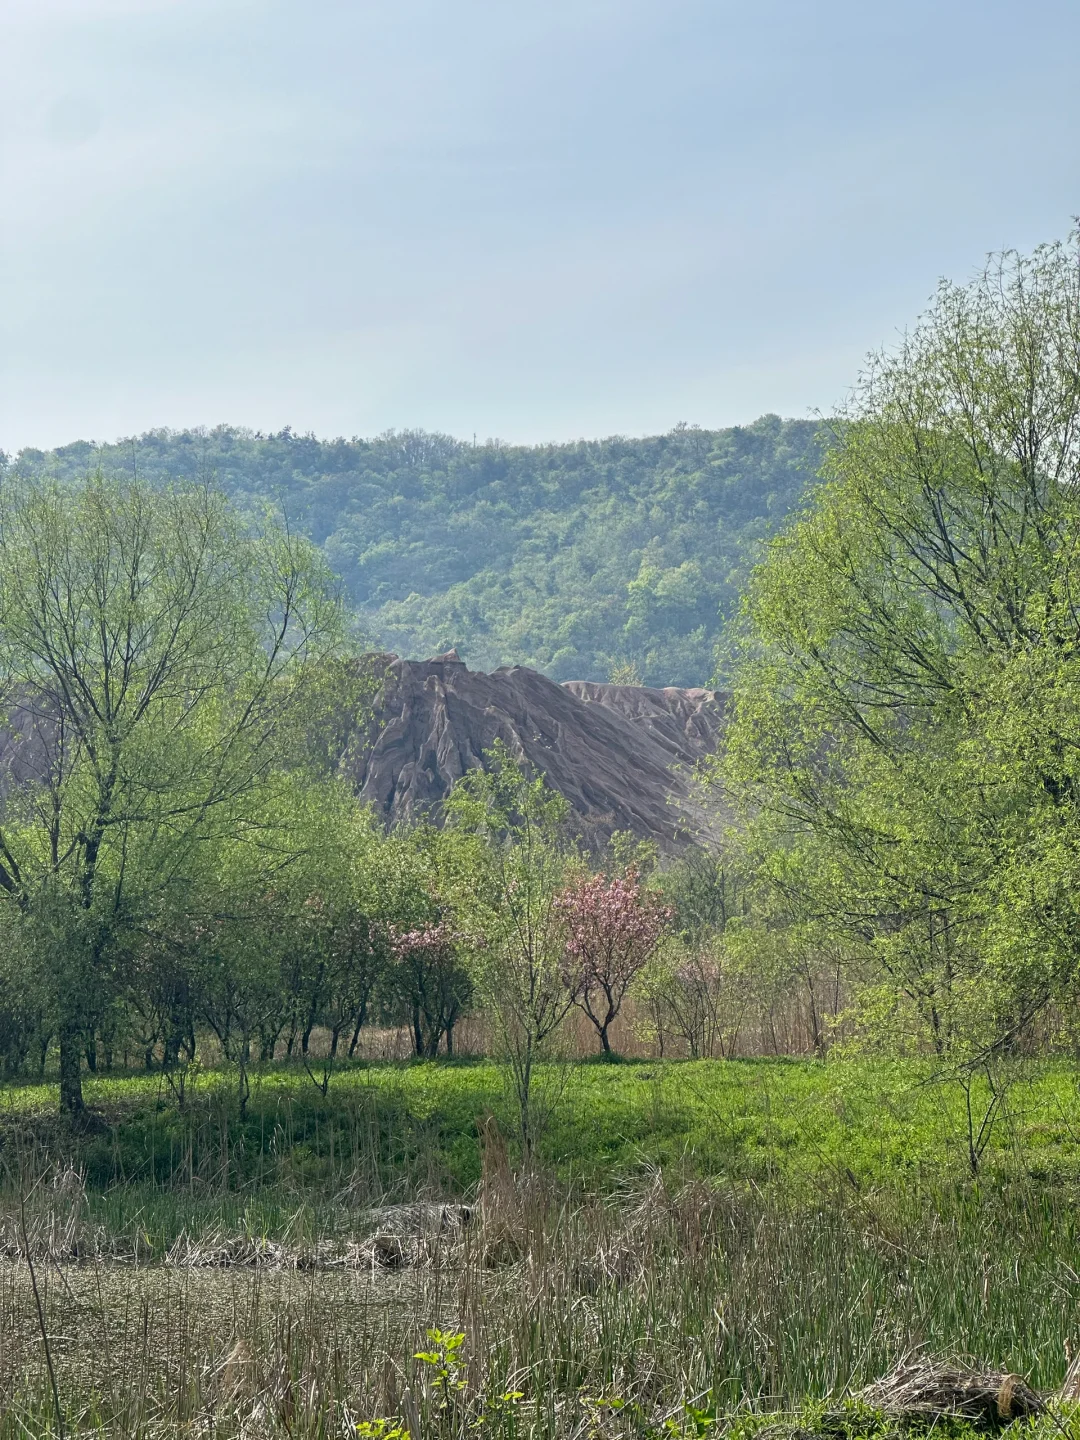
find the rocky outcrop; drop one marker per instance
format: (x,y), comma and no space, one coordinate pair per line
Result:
(622,755)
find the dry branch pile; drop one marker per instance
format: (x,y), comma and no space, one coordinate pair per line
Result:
(925,1389)
(404,1235)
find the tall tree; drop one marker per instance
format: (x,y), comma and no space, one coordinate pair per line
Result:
(153,653)
(905,727)
(432,982)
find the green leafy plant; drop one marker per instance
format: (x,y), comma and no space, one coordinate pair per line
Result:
(698,1421)
(382,1430)
(446,1367)
(500,1413)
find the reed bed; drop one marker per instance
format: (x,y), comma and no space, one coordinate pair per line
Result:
(627,1314)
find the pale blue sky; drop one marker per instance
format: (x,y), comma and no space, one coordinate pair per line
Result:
(531,220)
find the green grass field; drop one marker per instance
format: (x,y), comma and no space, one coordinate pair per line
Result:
(414,1128)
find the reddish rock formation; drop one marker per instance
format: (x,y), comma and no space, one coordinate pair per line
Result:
(620,754)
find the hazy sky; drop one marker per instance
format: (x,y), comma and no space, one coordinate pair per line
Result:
(532,220)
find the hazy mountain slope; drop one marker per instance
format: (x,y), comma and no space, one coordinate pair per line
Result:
(571,559)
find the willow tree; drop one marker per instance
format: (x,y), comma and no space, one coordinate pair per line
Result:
(906,730)
(153,658)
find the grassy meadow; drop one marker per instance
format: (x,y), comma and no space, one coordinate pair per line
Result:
(698,1246)
(399,1130)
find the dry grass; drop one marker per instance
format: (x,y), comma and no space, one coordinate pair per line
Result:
(584,1317)
(924,1388)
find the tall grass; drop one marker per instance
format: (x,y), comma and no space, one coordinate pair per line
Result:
(702,1238)
(658,1296)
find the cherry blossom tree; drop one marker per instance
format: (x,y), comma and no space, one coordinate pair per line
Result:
(613,926)
(433,983)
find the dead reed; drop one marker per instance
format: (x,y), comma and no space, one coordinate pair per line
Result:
(582,1315)
(924,1388)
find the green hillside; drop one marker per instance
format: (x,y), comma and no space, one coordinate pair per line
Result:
(575,559)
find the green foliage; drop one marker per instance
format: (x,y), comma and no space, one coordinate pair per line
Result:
(153,659)
(382,1430)
(862,1127)
(444,1366)
(905,741)
(514,826)
(706,890)
(618,555)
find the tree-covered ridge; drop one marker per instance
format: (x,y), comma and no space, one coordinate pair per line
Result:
(575,559)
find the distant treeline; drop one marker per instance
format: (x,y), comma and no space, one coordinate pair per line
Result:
(617,557)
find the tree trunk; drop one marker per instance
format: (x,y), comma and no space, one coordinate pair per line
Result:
(816,1036)
(243,1087)
(71,1096)
(361,1016)
(269,1035)
(524,1106)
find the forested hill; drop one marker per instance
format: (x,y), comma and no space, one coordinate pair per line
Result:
(575,559)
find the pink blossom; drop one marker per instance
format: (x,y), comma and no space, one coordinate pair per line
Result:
(426,937)
(613,925)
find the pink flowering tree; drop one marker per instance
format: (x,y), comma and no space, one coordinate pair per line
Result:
(613,926)
(432,982)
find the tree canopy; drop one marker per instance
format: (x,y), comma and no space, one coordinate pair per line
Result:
(580,560)
(906,739)
(153,659)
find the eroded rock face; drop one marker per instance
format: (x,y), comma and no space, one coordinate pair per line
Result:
(620,754)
